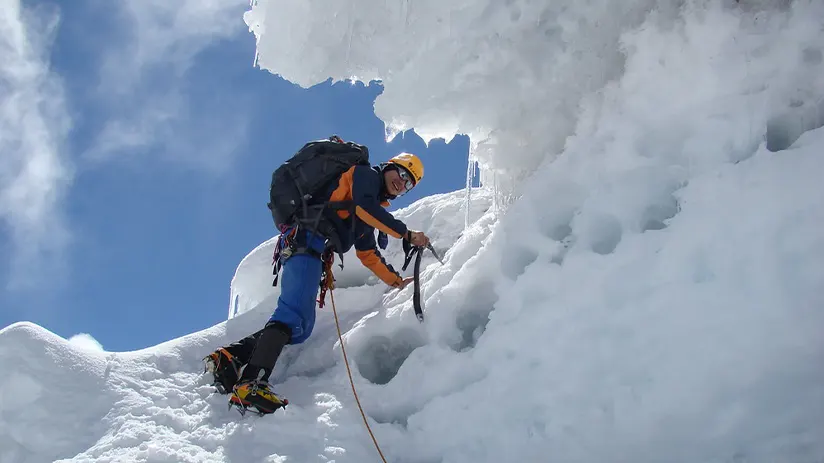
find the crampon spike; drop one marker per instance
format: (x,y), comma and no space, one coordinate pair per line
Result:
(242,408)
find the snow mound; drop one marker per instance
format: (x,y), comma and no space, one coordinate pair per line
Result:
(49,387)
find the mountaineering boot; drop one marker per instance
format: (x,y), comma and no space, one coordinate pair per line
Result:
(225,363)
(253,388)
(257,394)
(225,367)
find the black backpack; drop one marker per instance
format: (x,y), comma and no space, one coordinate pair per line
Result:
(309,172)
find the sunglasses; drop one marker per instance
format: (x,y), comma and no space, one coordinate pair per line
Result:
(409,182)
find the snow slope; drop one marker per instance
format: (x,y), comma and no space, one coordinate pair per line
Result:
(651,293)
(155,405)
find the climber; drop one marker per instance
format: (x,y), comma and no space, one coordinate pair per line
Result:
(344,211)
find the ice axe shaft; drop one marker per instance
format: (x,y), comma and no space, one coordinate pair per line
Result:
(417,252)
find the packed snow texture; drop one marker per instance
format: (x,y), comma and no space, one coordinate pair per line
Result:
(653,293)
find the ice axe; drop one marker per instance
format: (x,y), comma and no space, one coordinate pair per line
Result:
(416,252)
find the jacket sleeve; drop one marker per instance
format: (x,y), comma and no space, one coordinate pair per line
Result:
(368,253)
(365,188)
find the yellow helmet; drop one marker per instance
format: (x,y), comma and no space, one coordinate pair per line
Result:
(410,163)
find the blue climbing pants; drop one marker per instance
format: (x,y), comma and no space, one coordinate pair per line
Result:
(299,279)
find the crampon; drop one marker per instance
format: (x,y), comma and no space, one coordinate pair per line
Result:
(255,396)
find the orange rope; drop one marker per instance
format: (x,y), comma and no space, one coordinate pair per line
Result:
(351,381)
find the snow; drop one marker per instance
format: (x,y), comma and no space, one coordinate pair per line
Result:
(86,341)
(639,279)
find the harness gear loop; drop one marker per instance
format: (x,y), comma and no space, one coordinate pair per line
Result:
(284,248)
(351,381)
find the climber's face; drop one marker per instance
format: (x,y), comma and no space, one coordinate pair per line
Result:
(396,185)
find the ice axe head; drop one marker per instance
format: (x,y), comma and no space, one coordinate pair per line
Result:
(434,253)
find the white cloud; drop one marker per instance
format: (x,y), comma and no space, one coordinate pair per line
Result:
(86,341)
(143,82)
(175,32)
(34,170)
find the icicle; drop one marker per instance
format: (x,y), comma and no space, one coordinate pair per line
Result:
(233,300)
(470,174)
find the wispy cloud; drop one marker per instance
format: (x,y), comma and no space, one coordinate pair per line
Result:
(144,83)
(175,32)
(143,89)
(35,172)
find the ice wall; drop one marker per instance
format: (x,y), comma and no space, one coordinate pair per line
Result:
(643,298)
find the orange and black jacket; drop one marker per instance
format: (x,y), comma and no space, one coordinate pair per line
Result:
(365,188)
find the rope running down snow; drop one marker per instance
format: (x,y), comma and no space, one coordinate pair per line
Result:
(351,381)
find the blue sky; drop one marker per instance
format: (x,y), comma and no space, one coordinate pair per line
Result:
(164,138)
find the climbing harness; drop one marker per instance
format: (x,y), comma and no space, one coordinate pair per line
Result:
(291,243)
